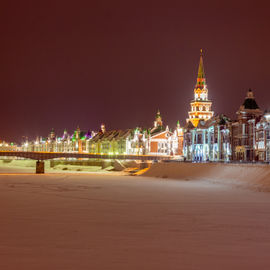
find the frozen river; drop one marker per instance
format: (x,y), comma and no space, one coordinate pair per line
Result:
(79,221)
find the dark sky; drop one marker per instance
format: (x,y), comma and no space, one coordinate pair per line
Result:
(64,64)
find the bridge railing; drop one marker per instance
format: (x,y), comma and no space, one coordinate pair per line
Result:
(53,155)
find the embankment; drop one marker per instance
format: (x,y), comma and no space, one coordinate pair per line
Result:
(94,165)
(251,176)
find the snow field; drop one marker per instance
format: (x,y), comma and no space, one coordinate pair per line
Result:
(68,221)
(251,176)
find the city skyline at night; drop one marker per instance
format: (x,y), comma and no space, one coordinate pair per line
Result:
(118,64)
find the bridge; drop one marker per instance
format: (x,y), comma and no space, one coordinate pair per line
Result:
(41,156)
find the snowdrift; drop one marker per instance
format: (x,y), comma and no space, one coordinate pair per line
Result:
(252,176)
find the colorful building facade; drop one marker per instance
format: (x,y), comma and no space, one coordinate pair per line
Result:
(244,129)
(204,138)
(154,141)
(209,141)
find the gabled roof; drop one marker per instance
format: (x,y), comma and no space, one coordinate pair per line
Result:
(219,119)
(156,130)
(123,134)
(112,134)
(189,125)
(202,124)
(161,132)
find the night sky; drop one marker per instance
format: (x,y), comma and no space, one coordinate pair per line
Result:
(64,64)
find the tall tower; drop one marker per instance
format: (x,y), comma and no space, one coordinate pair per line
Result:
(158,122)
(200,106)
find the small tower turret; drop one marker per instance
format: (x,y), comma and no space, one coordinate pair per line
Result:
(249,109)
(158,122)
(52,134)
(102,128)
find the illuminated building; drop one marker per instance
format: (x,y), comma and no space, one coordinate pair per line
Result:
(6,146)
(209,141)
(162,141)
(154,141)
(206,138)
(200,106)
(262,138)
(118,142)
(75,143)
(244,129)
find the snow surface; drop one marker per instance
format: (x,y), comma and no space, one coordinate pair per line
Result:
(30,166)
(87,221)
(250,176)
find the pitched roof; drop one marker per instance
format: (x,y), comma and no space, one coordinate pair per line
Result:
(156,130)
(189,125)
(112,134)
(219,119)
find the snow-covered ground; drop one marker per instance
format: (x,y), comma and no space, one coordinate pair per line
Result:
(29,166)
(86,221)
(249,176)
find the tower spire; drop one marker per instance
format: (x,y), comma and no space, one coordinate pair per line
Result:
(201,75)
(200,106)
(158,121)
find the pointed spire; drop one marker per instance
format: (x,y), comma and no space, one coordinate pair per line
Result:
(158,121)
(201,75)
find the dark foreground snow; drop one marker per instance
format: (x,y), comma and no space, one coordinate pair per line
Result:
(70,221)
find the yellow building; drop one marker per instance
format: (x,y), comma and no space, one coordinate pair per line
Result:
(200,106)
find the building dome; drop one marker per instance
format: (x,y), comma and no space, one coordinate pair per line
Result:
(250,102)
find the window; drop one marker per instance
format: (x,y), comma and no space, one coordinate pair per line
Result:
(199,139)
(267,134)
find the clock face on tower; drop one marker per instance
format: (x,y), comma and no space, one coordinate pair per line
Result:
(200,106)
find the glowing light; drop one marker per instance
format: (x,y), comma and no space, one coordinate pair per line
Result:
(267,117)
